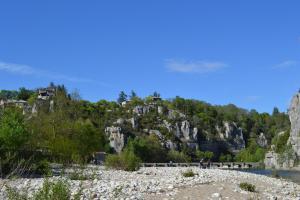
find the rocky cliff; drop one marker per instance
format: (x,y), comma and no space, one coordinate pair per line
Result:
(233,135)
(294,114)
(287,158)
(172,128)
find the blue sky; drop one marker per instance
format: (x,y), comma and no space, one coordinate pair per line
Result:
(241,52)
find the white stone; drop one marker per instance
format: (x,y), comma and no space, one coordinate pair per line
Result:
(216,195)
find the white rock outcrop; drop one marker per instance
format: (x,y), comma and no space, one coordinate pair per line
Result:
(233,135)
(116,138)
(294,114)
(272,160)
(262,140)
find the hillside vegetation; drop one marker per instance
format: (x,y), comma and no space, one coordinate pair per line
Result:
(66,129)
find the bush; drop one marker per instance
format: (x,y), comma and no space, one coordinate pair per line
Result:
(127,161)
(50,191)
(148,149)
(113,161)
(247,187)
(13,194)
(53,191)
(178,157)
(12,165)
(42,168)
(79,176)
(189,173)
(225,158)
(281,142)
(208,155)
(253,153)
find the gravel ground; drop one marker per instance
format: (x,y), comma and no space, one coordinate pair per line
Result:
(165,183)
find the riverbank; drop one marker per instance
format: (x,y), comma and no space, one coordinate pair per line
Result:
(165,183)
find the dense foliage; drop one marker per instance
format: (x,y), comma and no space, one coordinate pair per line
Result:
(67,129)
(253,153)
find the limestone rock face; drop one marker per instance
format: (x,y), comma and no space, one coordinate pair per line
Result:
(171,145)
(173,114)
(141,110)
(294,114)
(277,161)
(185,129)
(167,125)
(133,122)
(160,110)
(182,130)
(116,138)
(233,135)
(262,140)
(177,131)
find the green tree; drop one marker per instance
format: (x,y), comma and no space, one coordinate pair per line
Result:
(122,97)
(156,94)
(8,94)
(13,131)
(148,149)
(133,95)
(275,111)
(24,94)
(178,157)
(253,153)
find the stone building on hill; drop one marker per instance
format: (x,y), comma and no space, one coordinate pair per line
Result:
(46,93)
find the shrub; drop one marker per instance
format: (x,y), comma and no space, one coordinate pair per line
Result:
(247,187)
(281,142)
(148,149)
(53,191)
(42,168)
(253,153)
(178,157)
(225,158)
(50,191)
(127,161)
(208,155)
(113,161)
(189,173)
(13,194)
(80,176)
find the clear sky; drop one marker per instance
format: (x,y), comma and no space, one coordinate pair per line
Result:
(233,51)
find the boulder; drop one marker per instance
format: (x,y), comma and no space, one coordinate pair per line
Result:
(271,160)
(279,161)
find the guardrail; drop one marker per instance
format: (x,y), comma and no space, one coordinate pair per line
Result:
(212,165)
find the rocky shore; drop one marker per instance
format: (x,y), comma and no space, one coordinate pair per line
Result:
(164,183)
